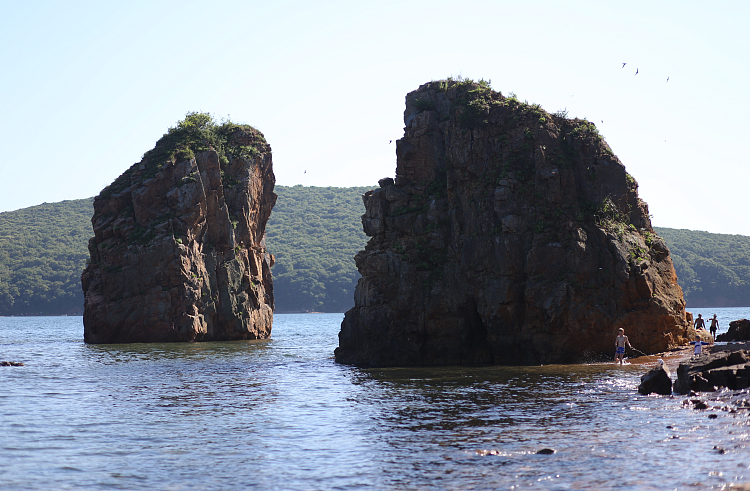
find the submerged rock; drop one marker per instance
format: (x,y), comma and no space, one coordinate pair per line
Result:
(179,248)
(11,364)
(509,235)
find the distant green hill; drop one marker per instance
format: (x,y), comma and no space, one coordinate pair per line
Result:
(712,269)
(43,250)
(314,233)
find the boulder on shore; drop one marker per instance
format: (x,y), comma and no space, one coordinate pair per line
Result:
(657,380)
(179,248)
(739,330)
(509,236)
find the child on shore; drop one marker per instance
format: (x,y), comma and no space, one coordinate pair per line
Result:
(698,345)
(620,343)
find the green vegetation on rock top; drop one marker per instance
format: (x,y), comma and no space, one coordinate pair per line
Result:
(198,132)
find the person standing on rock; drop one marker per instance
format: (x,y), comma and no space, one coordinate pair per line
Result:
(700,323)
(620,343)
(714,327)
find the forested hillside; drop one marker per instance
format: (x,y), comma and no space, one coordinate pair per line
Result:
(314,234)
(43,250)
(713,269)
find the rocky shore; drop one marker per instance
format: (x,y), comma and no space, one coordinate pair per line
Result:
(720,367)
(716,380)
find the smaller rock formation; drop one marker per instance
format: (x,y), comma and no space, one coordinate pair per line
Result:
(179,248)
(657,380)
(738,331)
(710,371)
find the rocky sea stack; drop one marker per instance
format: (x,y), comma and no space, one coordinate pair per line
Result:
(179,249)
(509,236)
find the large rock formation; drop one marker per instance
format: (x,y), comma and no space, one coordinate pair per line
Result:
(179,249)
(510,236)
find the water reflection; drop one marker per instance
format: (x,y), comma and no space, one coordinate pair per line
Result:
(188,352)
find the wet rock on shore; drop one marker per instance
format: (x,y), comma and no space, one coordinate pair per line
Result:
(722,367)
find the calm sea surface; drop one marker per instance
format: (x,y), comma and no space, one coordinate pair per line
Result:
(280,414)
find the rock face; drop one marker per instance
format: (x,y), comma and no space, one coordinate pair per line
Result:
(738,331)
(710,371)
(509,236)
(179,248)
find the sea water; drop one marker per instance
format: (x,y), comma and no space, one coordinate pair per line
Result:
(281,414)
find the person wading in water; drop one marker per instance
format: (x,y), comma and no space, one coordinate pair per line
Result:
(620,343)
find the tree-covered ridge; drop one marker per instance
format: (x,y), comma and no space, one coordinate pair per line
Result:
(42,253)
(314,234)
(712,269)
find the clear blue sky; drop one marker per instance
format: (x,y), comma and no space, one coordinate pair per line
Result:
(88,87)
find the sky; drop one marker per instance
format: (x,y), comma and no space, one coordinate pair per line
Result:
(87,87)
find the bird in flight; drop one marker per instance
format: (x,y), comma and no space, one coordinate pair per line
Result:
(305,172)
(623,65)
(390,142)
(636,71)
(667,79)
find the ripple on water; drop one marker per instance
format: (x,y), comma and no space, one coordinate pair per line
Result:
(280,414)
